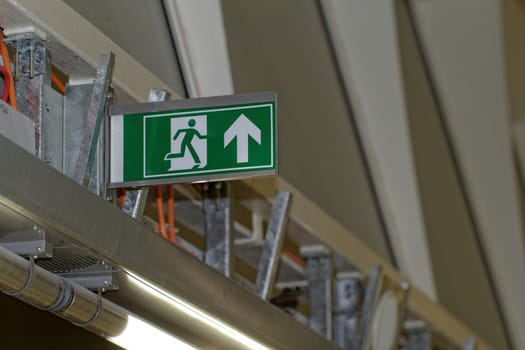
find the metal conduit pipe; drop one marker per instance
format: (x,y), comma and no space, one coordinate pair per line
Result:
(40,288)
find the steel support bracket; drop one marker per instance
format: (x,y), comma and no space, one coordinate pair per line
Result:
(319,275)
(269,262)
(218,227)
(94,119)
(348,296)
(373,290)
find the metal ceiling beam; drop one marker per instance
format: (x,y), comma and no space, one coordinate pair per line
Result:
(52,200)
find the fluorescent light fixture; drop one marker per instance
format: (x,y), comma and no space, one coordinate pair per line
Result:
(200,315)
(139,335)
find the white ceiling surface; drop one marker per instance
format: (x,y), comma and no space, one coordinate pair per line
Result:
(459,269)
(365,38)
(198,30)
(140,30)
(463,43)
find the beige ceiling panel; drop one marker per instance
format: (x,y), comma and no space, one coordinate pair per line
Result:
(282,46)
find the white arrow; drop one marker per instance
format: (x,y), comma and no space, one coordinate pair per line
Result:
(242,128)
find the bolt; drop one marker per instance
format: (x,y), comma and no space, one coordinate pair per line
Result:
(47,107)
(31,61)
(38,249)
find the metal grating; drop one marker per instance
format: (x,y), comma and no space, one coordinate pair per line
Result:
(67,260)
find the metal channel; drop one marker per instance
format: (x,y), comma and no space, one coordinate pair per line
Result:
(77,98)
(348,295)
(218,228)
(319,274)
(135,201)
(418,336)
(43,195)
(267,271)
(34,67)
(373,289)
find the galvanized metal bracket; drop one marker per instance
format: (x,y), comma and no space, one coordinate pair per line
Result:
(30,242)
(218,228)
(373,289)
(348,296)
(418,336)
(77,98)
(95,115)
(319,275)
(36,99)
(273,243)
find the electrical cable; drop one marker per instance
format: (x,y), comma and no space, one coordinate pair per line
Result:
(7,65)
(59,85)
(297,260)
(160,212)
(122,197)
(171,214)
(7,84)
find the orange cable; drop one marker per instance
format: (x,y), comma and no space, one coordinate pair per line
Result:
(160,212)
(171,215)
(297,260)
(7,64)
(61,87)
(122,197)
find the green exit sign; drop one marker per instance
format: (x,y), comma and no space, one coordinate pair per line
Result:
(200,139)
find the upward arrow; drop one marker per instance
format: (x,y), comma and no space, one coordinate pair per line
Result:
(242,128)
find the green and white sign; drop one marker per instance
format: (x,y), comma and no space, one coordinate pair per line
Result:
(193,140)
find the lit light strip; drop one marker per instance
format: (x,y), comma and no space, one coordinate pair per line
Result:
(140,335)
(196,313)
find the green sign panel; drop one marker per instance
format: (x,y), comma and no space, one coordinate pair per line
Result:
(193,140)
